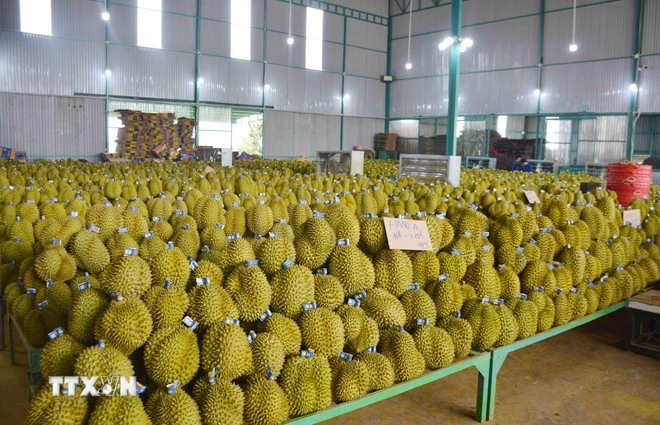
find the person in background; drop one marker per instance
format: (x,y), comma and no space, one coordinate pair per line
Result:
(527,167)
(517,164)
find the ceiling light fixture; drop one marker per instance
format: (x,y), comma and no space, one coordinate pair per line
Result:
(573,47)
(408,64)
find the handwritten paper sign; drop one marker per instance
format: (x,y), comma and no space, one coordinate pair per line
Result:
(209,169)
(632,218)
(412,235)
(532,197)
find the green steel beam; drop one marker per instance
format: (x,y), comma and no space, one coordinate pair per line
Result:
(106,45)
(388,86)
(198,38)
(500,354)
(454,74)
(634,95)
(481,361)
(336,9)
(343,86)
(539,80)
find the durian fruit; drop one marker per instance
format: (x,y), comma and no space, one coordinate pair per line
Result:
(102,360)
(54,263)
(59,355)
(249,288)
(328,291)
(435,345)
(361,332)
(606,293)
(563,311)
(352,268)
(47,408)
(23,304)
(171,354)
(129,275)
(418,305)
(526,314)
(384,308)
(381,372)
(447,295)
(173,266)
(452,264)
(210,303)
(578,304)
(509,281)
(485,322)
(58,295)
(88,305)
(545,307)
(509,325)
(259,218)
(372,234)
(292,287)
(350,379)
(322,331)
(343,222)
(38,322)
(275,253)
(506,231)
(484,279)
(315,242)
(175,407)
(126,324)
(393,270)
(460,332)
(226,349)
(120,411)
(307,383)
(573,258)
(166,305)
(286,330)
(537,273)
(267,352)
(265,402)
(398,346)
(426,267)
(220,401)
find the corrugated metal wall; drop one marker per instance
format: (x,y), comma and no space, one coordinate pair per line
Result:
(73,61)
(52,127)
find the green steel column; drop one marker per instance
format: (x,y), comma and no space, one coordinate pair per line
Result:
(107,100)
(264,57)
(343,99)
(389,69)
(454,74)
(634,95)
(198,36)
(539,148)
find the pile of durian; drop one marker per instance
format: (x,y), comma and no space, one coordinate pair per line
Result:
(256,295)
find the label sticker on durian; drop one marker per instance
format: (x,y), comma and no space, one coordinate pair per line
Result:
(591,284)
(287,263)
(167,284)
(193,265)
(413,286)
(353,302)
(84,285)
(148,235)
(115,295)
(397,328)
(73,214)
(130,252)
(307,354)
(157,218)
(412,235)
(17,239)
(347,357)
(171,388)
(202,280)
(251,337)
(369,215)
(575,290)
(265,315)
(270,375)
(190,323)
(309,306)
(55,333)
(179,212)
(232,237)
(539,288)
(343,242)
(457,314)
(30,291)
(49,283)
(232,321)
(443,277)
(370,349)
(497,301)
(122,230)
(521,296)
(421,321)
(360,295)
(94,228)
(42,304)
(251,263)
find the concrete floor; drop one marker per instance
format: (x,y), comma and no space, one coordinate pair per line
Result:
(579,377)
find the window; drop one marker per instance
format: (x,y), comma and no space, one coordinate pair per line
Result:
(150,23)
(35,17)
(241,18)
(314,40)
(501,125)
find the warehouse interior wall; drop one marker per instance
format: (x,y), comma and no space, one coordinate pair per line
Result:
(500,72)
(345,102)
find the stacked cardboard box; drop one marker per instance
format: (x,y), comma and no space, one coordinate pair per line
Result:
(385,141)
(153,134)
(434,145)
